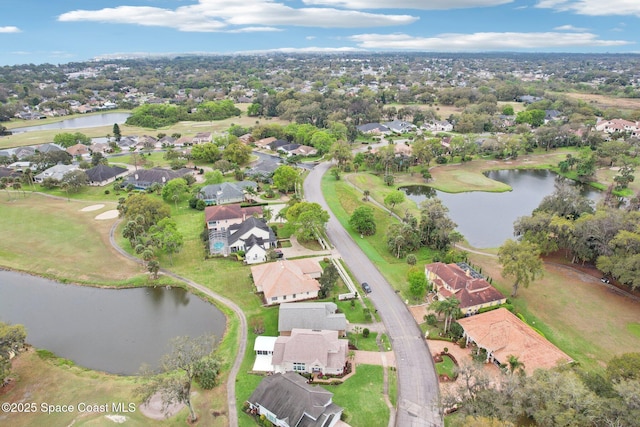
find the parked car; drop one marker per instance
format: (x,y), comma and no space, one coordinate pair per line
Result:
(366,287)
(605,280)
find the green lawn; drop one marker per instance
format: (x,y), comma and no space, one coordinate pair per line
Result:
(362,397)
(446,367)
(343,199)
(366,344)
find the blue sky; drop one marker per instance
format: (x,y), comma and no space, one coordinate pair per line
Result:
(60,31)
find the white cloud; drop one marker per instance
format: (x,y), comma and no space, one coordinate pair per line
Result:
(593,7)
(224,15)
(10,29)
(570,28)
(408,4)
(310,37)
(483,41)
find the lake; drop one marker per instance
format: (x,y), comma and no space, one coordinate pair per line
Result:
(111,330)
(92,121)
(486,219)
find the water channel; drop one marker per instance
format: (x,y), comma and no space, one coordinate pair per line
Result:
(111,330)
(486,219)
(90,121)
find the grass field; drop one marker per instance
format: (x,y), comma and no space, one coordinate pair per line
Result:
(343,199)
(42,381)
(54,238)
(446,367)
(185,128)
(574,311)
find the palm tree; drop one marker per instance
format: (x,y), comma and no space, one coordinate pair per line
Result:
(267,214)
(28,175)
(515,365)
(449,307)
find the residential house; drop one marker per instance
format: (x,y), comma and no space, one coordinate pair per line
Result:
(465,284)
(287,280)
(7,172)
(20,166)
(22,152)
(297,149)
(287,400)
(617,125)
(226,192)
(438,126)
(275,145)
(551,115)
(49,147)
(311,315)
(202,138)
(502,334)
(145,178)
(78,150)
(167,141)
(265,142)
(528,99)
(221,217)
(400,126)
(128,143)
(183,141)
(148,142)
(373,129)
(310,351)
(100,147)
(56,172)
(247,138)
(254,237)
(103,175)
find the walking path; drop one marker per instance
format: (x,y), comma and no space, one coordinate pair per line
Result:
(242,333)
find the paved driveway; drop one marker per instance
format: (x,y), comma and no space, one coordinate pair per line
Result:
(417,379)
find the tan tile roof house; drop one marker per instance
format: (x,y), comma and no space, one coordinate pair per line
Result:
(308,350)
(470,288)
(287,280)
(503,334)
(287,400)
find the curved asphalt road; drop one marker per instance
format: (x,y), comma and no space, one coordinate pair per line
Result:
(417,379)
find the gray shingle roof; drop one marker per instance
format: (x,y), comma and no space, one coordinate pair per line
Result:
(310,315)
(290,398)
(103,173)
(237,230)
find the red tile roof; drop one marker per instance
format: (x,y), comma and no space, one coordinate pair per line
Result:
(450,279)
(503,334)
(232,211)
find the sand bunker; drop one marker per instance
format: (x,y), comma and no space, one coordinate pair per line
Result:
(108,215)
(91,208)
(153,409)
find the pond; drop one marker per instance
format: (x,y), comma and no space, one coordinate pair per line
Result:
(91,121)
(111,330)
(486,219)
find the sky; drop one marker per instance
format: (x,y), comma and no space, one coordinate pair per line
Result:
(61,31)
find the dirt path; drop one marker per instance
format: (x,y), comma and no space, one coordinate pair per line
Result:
(242,333)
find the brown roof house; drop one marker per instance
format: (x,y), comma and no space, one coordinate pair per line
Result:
(287,280)
(223,216)
(78,150)
(502,334)
(287,400)
(468,286)
(310,351)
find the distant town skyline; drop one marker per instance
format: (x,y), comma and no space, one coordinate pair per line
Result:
(33,31)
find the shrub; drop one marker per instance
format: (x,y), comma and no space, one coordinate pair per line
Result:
(200,205)
(431,319)
(411,259)
(366,332)
(107,192)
